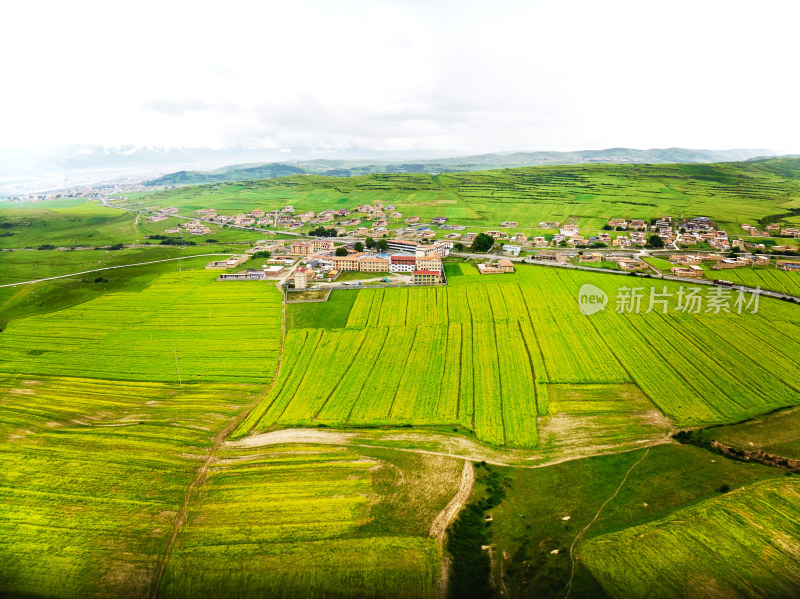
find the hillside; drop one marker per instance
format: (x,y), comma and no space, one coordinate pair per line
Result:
(729,193)
(350,168)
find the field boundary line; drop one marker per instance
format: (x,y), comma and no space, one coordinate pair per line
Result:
(596,516)
(86,272)
(202,472)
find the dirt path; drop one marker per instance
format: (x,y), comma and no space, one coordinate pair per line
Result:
(446,516)
(452,446)
(568,588)
(202,472)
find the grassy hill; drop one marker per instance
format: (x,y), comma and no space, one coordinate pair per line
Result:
(351,168)
(730,193)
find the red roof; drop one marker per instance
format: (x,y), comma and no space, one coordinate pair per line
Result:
(426,272)
(404,259)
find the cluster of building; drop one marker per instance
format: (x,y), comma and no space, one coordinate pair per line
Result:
(495,268)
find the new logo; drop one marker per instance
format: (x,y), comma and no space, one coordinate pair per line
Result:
(591,299)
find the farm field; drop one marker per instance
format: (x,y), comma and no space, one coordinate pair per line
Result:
(183,317)
(92,475)
(771,279)
(483,354)
(305,521)
(741,544)
(731,193)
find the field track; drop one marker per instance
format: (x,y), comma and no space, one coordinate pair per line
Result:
(84,272)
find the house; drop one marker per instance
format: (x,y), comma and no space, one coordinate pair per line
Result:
(506,265)
(173,230)
(287,209)
(630,264)
(319,245)
(402,263)
(427,277)
(773,227)
(691,271)
(685,259)
(438,220)
(509,224)
(551,256)
(206,212)
(489,269)
(514,250)
(569,230)
(788,264)
(231,262)
(549,224)
(519,238)
(412,219)
(257,213)
(250,274)
(618,222)
(539,242)
(622,241)
(791,232)
(374,264)
(468,237)
(576,240)
(638,225)
(593,257)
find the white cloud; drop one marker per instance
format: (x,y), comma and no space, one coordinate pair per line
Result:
(402,75)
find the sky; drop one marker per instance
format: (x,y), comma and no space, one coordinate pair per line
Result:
(401,75)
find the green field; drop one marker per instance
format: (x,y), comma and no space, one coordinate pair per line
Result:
(184,317)
(742,544)
(546,508)
(770,279)
(484,354)
(305,521)
(731,193)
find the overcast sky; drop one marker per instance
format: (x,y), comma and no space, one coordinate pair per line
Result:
(402,75)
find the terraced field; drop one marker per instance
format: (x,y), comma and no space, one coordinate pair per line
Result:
(742,544)
(501,344)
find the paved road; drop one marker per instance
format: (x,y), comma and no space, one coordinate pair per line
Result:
(84,272)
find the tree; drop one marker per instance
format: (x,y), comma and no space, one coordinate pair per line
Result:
(359,247)
(382,245)
(341,251)
(261,254)
(608,228)
(654,241)
(370,242)
(482,243)
(459,247)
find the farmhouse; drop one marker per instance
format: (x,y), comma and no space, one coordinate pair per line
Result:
(788,264)
(250,274)
(231,262)
(431,262)
(690,272)
(630,264)
(514,250)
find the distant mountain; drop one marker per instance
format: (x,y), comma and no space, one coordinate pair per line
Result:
(352,168)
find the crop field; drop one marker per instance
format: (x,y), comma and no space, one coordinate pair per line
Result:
(305,521)
(741,544)
(92,474)
(730,194)
(484,353)
(183,327)
(771,279)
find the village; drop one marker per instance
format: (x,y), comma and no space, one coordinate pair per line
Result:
(412,253)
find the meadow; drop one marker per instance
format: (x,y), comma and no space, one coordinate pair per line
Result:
(740,544)
(730,193)
(546,508)
(770,279)
(486,353)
